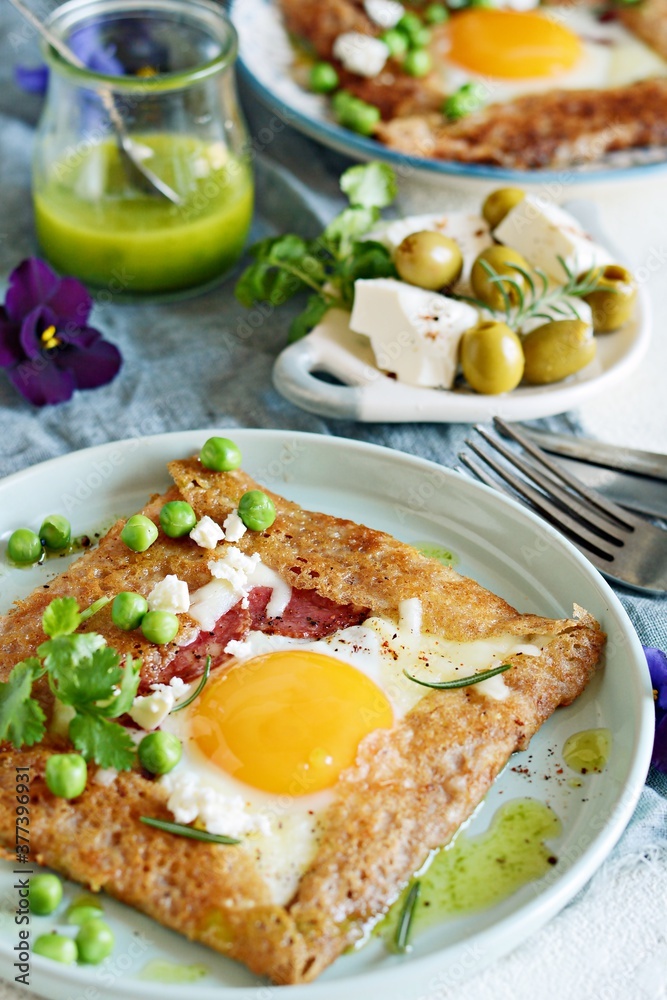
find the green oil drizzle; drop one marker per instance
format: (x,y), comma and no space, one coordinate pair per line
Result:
(434,551)
(474,873)
(158,970)
(588,751)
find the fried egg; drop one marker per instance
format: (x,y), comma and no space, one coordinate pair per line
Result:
(269,736)
(516,52)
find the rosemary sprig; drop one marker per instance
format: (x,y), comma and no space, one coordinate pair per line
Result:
(181,830)
(404,926)
(97,605)
(200,688)
(539,302)
(460,682)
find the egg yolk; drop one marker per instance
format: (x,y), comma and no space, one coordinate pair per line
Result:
(288,722)
(511,44)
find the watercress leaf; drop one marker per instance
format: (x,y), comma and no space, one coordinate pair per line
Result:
(281,286)
(21,717)
(302,324)
(65,652)
(349,225)
(371,260)
(129,683)
(61,617)
(371,185)
(105,742)
(289,249)
(254,284)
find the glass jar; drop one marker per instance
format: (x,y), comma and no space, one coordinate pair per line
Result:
(167,65)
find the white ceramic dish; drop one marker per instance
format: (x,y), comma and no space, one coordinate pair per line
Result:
(500,544)
(266,55)
(369,395)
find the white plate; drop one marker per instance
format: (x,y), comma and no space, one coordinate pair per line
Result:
(266,55)
(500,544)
(369,395)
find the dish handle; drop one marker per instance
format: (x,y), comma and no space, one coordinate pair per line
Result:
(294,376)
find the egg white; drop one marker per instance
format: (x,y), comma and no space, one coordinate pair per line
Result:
(612,57)
(282,832)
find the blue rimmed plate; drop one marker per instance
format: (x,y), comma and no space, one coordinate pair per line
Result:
(499,543)
(265,58)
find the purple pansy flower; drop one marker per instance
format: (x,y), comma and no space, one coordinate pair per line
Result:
(46,344)
(657,665)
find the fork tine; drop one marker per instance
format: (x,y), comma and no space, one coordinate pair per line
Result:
(483,475)
(598,561)
(570,502)
(546,507)
(607,506)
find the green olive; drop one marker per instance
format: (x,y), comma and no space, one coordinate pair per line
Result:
(429,260)
(499,203)
(491,358)
(557,349)
(614,300)
(501,260)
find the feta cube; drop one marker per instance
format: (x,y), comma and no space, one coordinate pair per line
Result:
(470,231)
(207,533)
(384,13)
(170,594)
(414,333)
(543,232)
(361,54)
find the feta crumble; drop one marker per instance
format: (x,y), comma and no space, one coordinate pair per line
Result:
(384,13)
(150,710)
(361,54)
(207,533)
(190,800)
(170,594)
(234,527)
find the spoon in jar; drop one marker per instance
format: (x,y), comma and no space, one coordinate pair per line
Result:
(132,153)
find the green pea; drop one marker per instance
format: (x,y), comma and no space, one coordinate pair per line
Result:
(94,942)
(436,13)
(341,100)
(56,532)
(323,78)
(128,610)
(421,38)
(139,533)
(410,24)
(80,915)
(45,894)
(256,510)
(359,116)
(417,62)
(177,518)
(57,947)
(24,547)
(159,627)
(160,752)
(66,775)
(396,41)
(468,98)
(220,454)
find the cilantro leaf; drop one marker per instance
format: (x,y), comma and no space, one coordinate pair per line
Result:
(105,742)
(91,680)
(302,324)
(371,185)
(64,652)
(129,683)
(61,617)
(21,717)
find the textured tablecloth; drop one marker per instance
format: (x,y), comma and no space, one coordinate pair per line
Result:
(196,363)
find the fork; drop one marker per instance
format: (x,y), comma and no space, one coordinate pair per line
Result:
(622,546)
